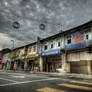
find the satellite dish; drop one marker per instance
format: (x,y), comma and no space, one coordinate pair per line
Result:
(16,25)
(42,26)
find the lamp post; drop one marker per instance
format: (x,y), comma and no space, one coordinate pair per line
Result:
(12,65)
(12,44)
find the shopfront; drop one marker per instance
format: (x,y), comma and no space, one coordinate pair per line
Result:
(33,62)
(51,60)
(78,58)
(1,56)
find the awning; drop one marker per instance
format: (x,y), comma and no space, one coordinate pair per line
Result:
(75,46)
(4,61)
(51,52)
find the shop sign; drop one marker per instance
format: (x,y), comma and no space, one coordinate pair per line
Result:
(78,36)
(76,46)
(32,55)
(1,55)
(51,52)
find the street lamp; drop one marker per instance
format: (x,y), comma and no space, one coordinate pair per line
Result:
(12,44)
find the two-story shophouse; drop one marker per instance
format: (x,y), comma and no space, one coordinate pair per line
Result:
(51,53)
(68,50)
(6,59)
(78,49)
(20,58)
(32,57)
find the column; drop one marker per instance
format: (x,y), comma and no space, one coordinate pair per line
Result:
(32,69)
(47,67)
(41,64)
(64,62)
(25,65)
(89,67)
(68,68)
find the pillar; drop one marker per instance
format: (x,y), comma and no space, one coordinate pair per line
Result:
(89,67)
(32,69)
(68,68)
(64,62)
(47,68)
(25,65)
(41,64)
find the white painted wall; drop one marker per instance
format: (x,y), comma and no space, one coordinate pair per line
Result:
(63,39)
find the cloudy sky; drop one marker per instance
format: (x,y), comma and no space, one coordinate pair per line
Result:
(31,13)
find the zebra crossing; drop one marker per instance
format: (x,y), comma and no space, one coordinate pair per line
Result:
(76,85)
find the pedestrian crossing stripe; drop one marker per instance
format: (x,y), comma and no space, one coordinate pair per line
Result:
(75,86)
(46,89)
(90,81)
(81,82)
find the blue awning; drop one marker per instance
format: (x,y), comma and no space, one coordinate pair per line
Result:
(51,52)
(76,46)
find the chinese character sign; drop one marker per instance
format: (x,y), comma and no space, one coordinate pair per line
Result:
(78,36)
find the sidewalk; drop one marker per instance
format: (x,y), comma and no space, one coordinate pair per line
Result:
(51,74)
(66,75)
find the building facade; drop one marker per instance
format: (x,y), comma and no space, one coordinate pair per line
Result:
(78,56)
(69,51)
(32,58)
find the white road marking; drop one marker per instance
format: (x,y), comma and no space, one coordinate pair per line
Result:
(26,75)
(7,80)
(30,75)
(9,84)
(18,76)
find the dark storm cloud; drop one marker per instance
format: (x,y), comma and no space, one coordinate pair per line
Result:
(31,13)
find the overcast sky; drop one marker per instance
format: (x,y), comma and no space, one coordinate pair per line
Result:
(31,13)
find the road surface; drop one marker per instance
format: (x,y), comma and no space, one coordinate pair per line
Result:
(26,82)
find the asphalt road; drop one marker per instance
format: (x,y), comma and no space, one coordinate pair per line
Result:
(24,82)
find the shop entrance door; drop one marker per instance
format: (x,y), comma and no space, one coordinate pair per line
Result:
(45,67)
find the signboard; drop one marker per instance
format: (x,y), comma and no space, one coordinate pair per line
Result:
(1,55)
(78,36)
(51,52)
(76,46)
(31,55)
(38,45)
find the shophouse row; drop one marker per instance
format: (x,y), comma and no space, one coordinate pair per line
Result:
(69,51)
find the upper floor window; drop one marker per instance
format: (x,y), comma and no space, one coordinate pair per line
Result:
(51,46)
(68,39)
(58,44)
(87,37)
(30,49)
(34,48)
(18,53)
(45,47)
